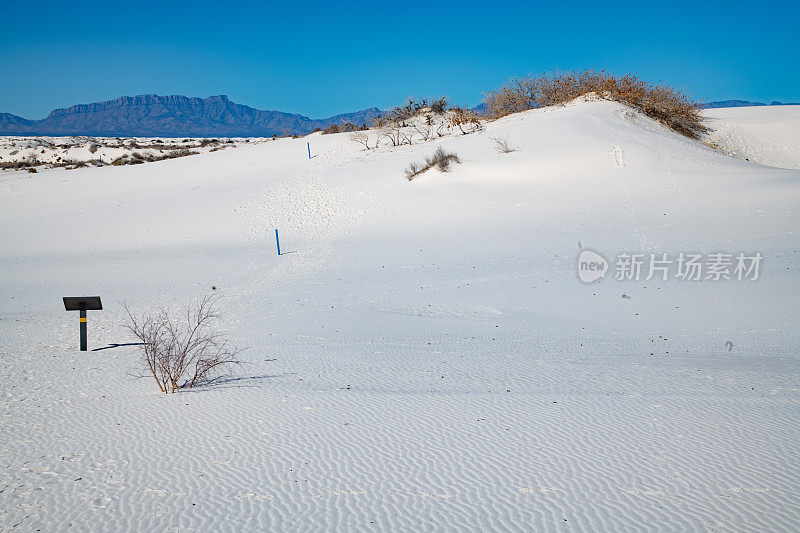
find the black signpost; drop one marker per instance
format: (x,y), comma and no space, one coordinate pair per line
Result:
(82,304)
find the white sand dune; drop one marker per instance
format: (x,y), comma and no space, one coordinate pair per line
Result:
(426,357)
(767,135)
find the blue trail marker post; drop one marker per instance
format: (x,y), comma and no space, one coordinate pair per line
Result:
(308,145)
(277,242)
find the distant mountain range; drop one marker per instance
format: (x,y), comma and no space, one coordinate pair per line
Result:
(151,115)
(739,103)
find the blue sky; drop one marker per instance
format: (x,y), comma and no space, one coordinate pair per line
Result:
(323,58)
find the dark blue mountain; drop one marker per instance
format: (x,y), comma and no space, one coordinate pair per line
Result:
(738,103)
(151,115)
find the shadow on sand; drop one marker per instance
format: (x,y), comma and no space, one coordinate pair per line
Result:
(117,345)
(230,382)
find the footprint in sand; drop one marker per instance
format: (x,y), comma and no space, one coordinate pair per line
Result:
(619,159)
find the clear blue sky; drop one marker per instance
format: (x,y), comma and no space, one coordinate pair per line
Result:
(323,58)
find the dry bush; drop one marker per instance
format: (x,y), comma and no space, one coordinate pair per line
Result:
(127,159)
(438,106)
(343,128)
(362,138)
(440,159)
(666,104)
(462,117)
(502,145)
(13,165)
(71,164)
(392,131)
(424,129)
(183,152)
(401,114)
(183,350)
(222,147)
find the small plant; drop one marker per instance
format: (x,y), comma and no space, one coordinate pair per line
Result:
(184,349)
(343,128)
(439,106)
(440,159)
(362,138)
(502,145)
(462,117)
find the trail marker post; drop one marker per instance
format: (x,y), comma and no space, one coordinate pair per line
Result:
(308,145)
(83,304)
(277,242)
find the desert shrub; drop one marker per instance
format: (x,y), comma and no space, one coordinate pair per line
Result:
(413,170)
(502,145)
(183,152)
(183,349)
(462,117)
(361,137)
(439,106)
(93,148)
(32,170)
(222,147)
(440,159)
(401,114)
(72,164)
(206,142)
(13,165)
(666,104)
(343,128)
(392,131)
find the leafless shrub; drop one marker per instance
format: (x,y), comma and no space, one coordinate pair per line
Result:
(666,104)
(343,128)
(392,131)
(423,129)
(362,138)
(440,159)
(222,147)
(127,159)
(463,117)
(183,350)
(412,170)
(13,165)
(93,148)
(183,152)
(401,114)
(439,106)
(71,164)
(502,145)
